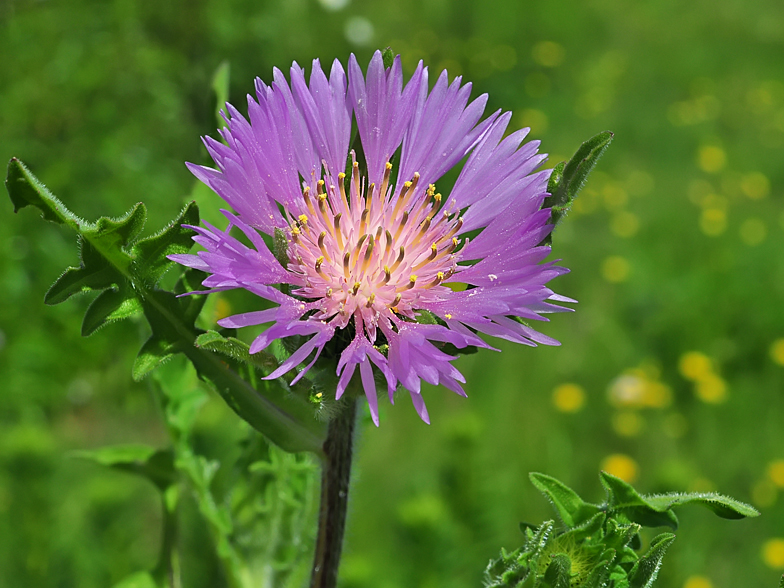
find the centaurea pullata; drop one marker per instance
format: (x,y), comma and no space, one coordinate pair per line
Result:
(373,249)
(370,252)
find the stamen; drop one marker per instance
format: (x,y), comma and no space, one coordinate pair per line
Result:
(320,187)
(355,177)
(371,299)
(363,220)
(338,232)
(369,195)
(387,274)
(438,279)
(346,261)
(411,282)
(329,293)
(399,258)
(342,184)
(356,287)
(303,222)
(319,261)
(403,221)
(321,238)
(395,302)
(385,181)
(401,198)
(368,253)
(295,234)
(306,196)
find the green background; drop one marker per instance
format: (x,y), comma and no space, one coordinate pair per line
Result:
(675,246)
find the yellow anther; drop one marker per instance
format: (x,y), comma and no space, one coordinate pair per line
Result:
(306,196)
(387,274)
(388,167)
(447,316)
(395,302)
(356,287)
(433,250)
(342,184)
(437,280)
(371,299)
(303,220)
(431,189)
(411,281)
(320,187)
(319,261)
(369,194)
(414,181)
(329,293)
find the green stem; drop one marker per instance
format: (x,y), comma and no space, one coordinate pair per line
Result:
(335,477)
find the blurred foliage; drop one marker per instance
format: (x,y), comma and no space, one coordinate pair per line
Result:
(672,366)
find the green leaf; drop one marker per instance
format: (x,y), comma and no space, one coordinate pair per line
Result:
(110,305)
(597,577)
(567,179)
(644,572)
(236,349)
(220,85)
(26,190)
(559,572)
(587,529)
(154,464)
(623,498)
(723,506)
(81,279)
(571,509)
(151,253)
(117,232)
(138,580)
(153,353)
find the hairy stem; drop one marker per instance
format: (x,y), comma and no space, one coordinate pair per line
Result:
(335,477)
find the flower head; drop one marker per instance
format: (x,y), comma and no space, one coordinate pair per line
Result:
(370,251)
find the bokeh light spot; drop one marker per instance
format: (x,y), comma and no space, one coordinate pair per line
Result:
(627,423)
(711,389)
(698,582)
(776,472)
(548,53)
(694,365)
(755,185)
(773,553)
(713,221)
(625,224)
(535,119)
(711,159)
(359,31)
(615,269)
(753,231)
(569,397)
(621,466)
(777,351)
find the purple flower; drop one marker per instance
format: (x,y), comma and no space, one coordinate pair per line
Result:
(368,254)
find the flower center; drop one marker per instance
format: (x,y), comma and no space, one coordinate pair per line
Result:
(372,251)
